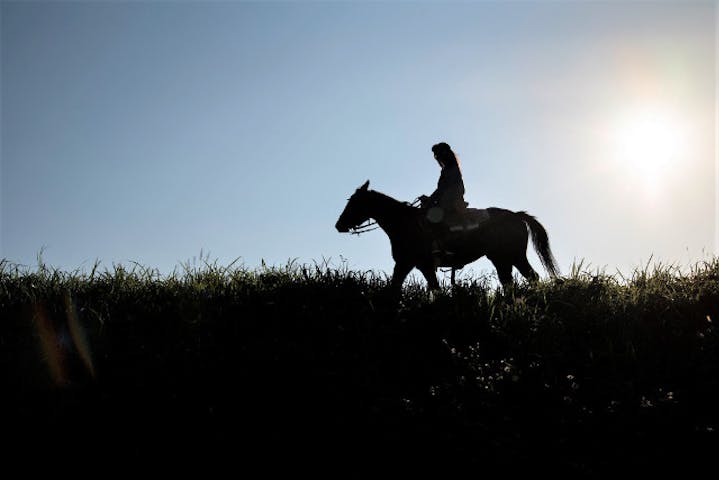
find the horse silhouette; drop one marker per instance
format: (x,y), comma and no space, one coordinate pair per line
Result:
(501,235)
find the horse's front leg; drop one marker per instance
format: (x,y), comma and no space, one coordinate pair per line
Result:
(401,270)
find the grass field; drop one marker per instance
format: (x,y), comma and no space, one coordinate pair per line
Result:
(309,368)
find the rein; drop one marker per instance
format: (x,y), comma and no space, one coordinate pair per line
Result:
(364,228)
(372,224)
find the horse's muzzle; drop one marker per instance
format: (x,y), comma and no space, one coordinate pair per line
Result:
(341,228)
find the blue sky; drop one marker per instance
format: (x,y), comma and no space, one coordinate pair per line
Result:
(149,131)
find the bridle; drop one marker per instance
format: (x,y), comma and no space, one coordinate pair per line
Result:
(370,225)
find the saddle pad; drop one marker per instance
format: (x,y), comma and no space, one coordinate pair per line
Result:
(472,220)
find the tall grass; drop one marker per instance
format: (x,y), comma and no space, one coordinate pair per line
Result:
(578,373)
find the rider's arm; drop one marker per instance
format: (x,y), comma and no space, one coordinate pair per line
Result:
(441,187)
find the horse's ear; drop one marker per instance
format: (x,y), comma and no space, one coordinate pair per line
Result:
(364,186)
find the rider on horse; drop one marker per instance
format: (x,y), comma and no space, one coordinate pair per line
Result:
(446,205)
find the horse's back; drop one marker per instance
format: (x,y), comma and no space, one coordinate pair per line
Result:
(476,218)
(499,212)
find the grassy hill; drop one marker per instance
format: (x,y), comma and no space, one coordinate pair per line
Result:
(310,368)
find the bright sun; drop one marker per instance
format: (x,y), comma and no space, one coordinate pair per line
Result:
(649,144)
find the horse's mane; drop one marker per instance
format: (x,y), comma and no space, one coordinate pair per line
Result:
(380,197)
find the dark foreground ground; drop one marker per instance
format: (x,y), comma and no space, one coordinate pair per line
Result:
(315,371)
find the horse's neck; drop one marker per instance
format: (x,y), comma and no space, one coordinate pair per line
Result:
(388,212)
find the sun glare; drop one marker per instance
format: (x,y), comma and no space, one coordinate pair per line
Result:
(649,145)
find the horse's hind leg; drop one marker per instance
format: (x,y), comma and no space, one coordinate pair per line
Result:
(504,271)
(526,270)
(430,275)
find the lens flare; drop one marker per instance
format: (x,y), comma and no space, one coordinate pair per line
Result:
(78,334)
(52,349)
(60,340)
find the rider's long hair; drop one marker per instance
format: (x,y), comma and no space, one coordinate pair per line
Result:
(445,155)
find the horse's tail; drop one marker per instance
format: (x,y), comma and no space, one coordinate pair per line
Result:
(541,243)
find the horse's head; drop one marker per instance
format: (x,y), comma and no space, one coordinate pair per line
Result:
(356,212)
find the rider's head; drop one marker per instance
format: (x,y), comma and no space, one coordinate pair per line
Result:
(444,155)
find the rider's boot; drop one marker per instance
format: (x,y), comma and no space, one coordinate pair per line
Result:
(439,249)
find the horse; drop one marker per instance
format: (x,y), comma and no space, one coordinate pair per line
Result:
(501,235)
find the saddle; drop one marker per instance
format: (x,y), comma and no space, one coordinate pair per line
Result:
(446,233)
